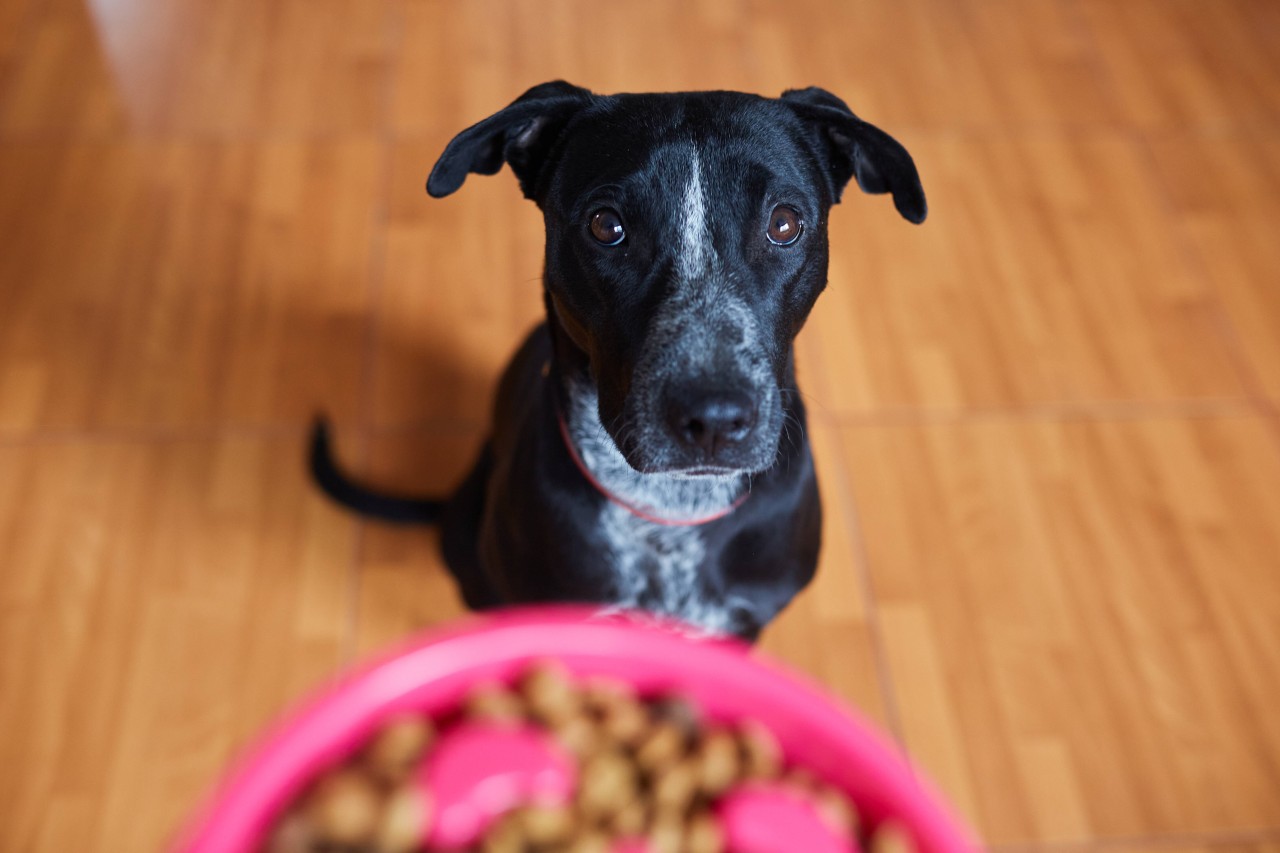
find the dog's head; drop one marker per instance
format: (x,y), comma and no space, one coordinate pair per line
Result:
(686,244)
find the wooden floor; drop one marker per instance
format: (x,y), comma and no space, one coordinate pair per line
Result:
(1047,422)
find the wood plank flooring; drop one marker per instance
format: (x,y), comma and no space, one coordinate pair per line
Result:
(1047,422)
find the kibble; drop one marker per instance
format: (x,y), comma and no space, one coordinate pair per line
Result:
(631,819)
(761,755)
(550,694)
(548,824)
(400,827)
(891,838)
(607,784)
(625,722)
(580,735)
(666,834)
(836,809)
(398,747)
(504,837)
(703,835)
(663,746)
(344,807)
(495,703)
(674,787)
(718,762)
(588,842)
(621,716)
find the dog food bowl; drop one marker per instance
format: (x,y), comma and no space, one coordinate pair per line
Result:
(433,673)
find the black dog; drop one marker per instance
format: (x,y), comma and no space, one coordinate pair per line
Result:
(648,445)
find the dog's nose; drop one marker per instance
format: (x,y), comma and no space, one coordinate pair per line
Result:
(711,421)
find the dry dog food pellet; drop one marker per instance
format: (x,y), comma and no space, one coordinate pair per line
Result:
(547,824)
(624,720)
(674,787)
(590,842)
(607,784)
(663,746)
(836,809)
(551,696)
(703,835)
(718,762)
(631,819)
(401,823)
(649,771)
(761,755)
(666,834)
(344,807)
(398,747)
(504,837)
(495,703)
(890,838)
(580,735)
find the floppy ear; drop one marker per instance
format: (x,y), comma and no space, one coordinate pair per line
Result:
(522,135)
(859,150)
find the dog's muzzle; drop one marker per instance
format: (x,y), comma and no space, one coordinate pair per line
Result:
(704,398)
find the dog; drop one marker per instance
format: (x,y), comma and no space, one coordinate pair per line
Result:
(648,448)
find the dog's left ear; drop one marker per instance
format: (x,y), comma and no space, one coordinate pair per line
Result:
(855,149)
(521,135)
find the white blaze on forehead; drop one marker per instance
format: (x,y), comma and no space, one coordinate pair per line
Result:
(695,238)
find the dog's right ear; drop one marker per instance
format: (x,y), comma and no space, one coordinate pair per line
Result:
(521,135)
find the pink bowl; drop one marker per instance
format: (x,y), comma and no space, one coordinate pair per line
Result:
(432,674)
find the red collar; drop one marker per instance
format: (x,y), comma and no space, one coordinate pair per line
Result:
(632,508)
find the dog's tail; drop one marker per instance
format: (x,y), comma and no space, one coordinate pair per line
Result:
(329,477)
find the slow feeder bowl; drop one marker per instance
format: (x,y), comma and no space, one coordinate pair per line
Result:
(433,673)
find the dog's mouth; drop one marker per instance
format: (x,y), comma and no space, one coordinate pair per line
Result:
(704,472)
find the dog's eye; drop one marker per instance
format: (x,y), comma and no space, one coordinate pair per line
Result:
(606,227)
(784,226)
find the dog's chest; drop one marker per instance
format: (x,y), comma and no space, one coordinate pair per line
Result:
(661,569)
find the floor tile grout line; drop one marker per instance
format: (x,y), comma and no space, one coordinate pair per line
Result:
(1225,407)
(1066,411)
(134,434)
(1141,138)
(1271,415)
(208,432)
(1212,838)
(1005,130)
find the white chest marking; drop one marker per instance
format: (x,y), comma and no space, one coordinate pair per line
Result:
(659,569)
